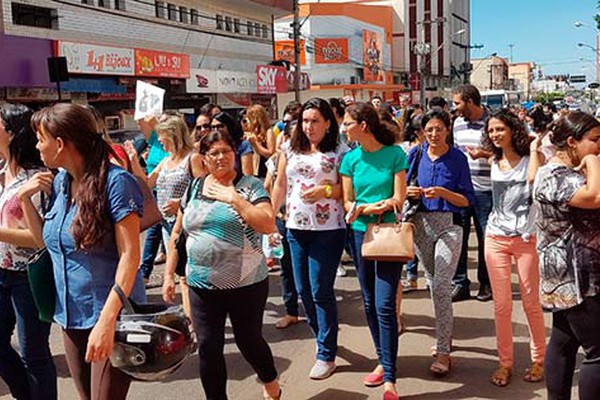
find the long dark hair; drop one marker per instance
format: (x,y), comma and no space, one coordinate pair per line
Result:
(575,124)
(76,125)
(365,112)
(233,127)
(299,142)
(518,132)
(21,149)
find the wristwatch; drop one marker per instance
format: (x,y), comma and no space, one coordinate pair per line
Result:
(328,191)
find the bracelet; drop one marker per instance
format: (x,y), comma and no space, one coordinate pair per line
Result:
(328,191)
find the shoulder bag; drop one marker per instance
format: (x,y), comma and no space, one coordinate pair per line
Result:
(392,241)
(181,240)
(40,275)
(411,205)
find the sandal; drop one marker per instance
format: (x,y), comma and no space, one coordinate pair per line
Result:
(441,365)
(266,396)
(535,373)
(286,322)
(501,377)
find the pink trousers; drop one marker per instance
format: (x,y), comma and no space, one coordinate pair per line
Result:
(499,251)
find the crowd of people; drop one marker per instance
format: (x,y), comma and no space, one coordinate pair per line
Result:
(529,181)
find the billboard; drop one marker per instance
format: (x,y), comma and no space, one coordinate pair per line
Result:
(161,64)
(284,50)
(373,57)
(331,50)
(271,79)
(92,59)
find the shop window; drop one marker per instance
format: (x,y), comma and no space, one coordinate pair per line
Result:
(40,17)
(184,15)
(161,9)
(219,22)
(194,16)
(172,11)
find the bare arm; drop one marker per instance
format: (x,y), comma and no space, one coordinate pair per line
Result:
(535,159)
(588,196)
(101,339)
(41,181)
(168,289)
(347,192)
(280,187)
(197,166)
(247,164)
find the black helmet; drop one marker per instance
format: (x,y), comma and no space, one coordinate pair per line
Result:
(151,340)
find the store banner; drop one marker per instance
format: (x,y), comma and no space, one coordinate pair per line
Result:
(331,51)
(161,64)
(92,59)
(220,81)
(271,79)
(373,57)
(284,50)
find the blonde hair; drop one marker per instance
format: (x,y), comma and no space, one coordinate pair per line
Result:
(177,130)
(258,121)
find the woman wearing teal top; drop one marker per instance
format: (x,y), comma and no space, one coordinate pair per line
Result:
(374,177)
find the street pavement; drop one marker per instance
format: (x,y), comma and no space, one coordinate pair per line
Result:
(474,356)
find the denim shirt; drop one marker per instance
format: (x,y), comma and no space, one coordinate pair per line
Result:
(84,278)
(450,171)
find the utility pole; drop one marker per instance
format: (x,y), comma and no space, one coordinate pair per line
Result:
(511,46)
(296,27)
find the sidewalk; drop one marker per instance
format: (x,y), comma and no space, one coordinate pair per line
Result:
(474,357)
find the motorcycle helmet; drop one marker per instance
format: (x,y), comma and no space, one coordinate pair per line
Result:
(151,340)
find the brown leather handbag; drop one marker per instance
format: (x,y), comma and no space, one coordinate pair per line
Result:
(391,241)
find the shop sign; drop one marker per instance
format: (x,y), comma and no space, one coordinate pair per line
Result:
(331,51)
(221,81)
(161,64)
(271,79)
(92,59)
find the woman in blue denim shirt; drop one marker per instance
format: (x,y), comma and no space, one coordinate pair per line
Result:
(92,234)
(29,374)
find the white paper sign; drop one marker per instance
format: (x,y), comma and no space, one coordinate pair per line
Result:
(148,100)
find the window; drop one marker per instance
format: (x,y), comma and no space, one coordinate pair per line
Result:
(160,9)
(236,25)
(265,32)
(172,10)
(120,5)
(184,16)
(219,22)
(257,30)
(228,26)
(194,15)
(89,2)
(40,17)
(249,28)
(104,3)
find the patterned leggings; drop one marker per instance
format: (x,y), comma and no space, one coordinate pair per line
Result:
(437,244)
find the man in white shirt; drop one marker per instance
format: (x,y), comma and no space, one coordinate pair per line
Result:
(467,131)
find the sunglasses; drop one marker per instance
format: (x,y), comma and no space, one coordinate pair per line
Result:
(201,127)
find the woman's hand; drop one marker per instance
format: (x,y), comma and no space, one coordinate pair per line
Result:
(588,162)
(535,143)
(376,208)
(42,181)
(215,190)
(414,192)
(314,194)
(100,342)
(434,192)
(171,207)
(251,137)
(168,288)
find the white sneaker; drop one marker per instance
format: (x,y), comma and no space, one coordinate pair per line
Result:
(322,370)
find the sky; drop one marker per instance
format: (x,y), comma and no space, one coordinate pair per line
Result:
(542,31)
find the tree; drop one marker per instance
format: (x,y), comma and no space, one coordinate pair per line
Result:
(548,97)
(597,16)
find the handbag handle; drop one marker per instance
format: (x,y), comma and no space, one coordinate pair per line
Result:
(127,306)
(396,213)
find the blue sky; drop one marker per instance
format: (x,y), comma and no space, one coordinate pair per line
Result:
(542,31)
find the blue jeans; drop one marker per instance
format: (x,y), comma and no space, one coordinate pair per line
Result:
(288,288)
(480,212)
(412,273)
(315,258)
(151,245)
(379,284)
(30,375)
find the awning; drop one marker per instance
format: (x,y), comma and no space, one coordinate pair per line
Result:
(93,85)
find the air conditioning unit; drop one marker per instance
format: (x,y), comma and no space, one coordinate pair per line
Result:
(337,81)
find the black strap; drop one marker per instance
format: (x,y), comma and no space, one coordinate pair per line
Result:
(413,180)
(127,307)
